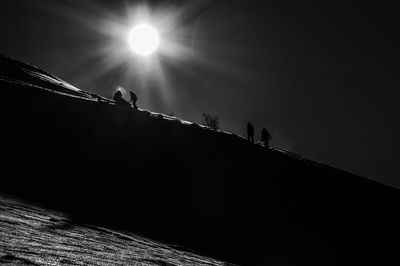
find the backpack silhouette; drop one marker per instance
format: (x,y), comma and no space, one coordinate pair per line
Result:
(118,98)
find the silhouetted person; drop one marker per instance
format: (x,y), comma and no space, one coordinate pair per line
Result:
(118,98)
(133,99)
(265,137)
(250,132)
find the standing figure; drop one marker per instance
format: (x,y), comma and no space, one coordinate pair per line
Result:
(265,137)
(250,132)
(133,99)
(118,98)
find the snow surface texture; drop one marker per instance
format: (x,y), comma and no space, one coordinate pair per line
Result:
(33,236)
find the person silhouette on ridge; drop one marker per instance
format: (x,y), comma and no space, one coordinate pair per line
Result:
(118,98)
(250,132)
(265,137)
(133,99)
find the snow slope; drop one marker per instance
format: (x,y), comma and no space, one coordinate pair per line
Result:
(36,236)
(176,181)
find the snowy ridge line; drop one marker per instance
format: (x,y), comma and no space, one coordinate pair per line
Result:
(56,82)
(26,84)
(304,159)
(53,80)
(29,66)
(327,166)
(65,85)
(35,72)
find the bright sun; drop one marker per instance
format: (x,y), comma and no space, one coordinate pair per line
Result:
(144,39)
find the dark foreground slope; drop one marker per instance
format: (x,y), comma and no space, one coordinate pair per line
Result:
(178,182)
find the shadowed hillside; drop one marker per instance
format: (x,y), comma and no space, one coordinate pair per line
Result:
(182,183)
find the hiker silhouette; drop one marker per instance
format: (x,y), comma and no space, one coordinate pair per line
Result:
(133,99)
(118,98)
(250,132)
(265,137)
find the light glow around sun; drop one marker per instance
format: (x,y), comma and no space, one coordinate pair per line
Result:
(138,45)
(144,39)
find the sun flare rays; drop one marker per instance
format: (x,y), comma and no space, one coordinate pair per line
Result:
(133,46)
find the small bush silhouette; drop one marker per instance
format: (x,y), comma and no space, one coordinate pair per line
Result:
(211,121)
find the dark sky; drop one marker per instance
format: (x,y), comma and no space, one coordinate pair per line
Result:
(322,77)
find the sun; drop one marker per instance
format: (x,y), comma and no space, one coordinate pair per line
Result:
(144,39)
